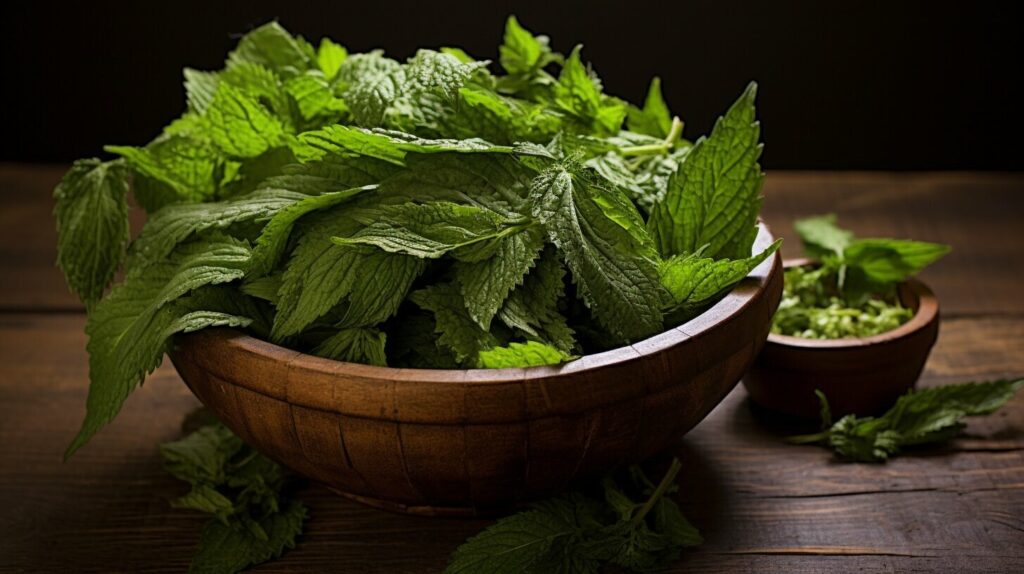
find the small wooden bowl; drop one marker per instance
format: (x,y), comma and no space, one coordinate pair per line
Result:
(859,376)
(477,441)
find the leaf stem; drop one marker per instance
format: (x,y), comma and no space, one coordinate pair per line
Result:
(666,482)
(649,149)
(809,438)
(675,132)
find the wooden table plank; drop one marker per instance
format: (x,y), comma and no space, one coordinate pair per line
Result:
(755,498)
(761,504)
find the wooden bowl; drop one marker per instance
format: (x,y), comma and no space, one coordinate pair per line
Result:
(477,441)
(860,376)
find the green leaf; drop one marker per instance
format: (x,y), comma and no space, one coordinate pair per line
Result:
(387,145)
(521,52)
(228,548)
(537,540)
(373,82)
(438,73)
(892,260)
(273,240)
(314,96)
(174,224)
(200,88)
(578,92)
(330,57)
(202,456)
(129,329)
(204,498)
(355,345)
(486,283)
(693,280)
(533,307)
(822,237)
(92,225)
(320,275)
(430,230)
(272,46)
(529,354)
(606,248)
(927,416)
(714,198)
(456,329)
(240,125)
(190,169)
(654,119)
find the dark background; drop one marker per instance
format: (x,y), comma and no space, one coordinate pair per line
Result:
(844,85)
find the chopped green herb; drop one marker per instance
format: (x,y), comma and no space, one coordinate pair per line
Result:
(852,292)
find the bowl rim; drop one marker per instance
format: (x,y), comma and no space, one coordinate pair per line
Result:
(744,294)
(927,311)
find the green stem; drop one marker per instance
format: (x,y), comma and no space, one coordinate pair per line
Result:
(809,438)
(666,481)
(649,149)
(675,132)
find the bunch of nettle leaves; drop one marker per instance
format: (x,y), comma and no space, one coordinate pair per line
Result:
(425,214)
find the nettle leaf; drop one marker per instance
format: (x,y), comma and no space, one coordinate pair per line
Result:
(456,329)
(320,275)
(606,248)
(533,306)
(439,73)
(430,230)
(355,345)
(176,223)
(654,119)
(200,88)
(529,354)
(273,240)
(234,547)
(539,540)
(240,125)
(500,119)
(263,86)
(578,92)
(522,52)
(693,280)
(892,260)
(272,46)
(330,57)
(714,198)
(129,329)
(822,237)
(372,82)
(388,145)
(92,225)
(187,169)
(919,417)
(486,283)
(314,95)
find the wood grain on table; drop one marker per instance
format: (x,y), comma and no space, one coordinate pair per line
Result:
(762,505)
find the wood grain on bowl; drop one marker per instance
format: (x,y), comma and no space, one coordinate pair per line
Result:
(862,376)
(478,440)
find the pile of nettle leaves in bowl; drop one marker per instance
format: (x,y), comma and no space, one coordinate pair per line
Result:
(430,214)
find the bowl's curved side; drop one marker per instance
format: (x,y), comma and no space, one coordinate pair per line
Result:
(434,441)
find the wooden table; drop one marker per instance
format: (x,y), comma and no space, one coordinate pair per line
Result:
(762,505)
